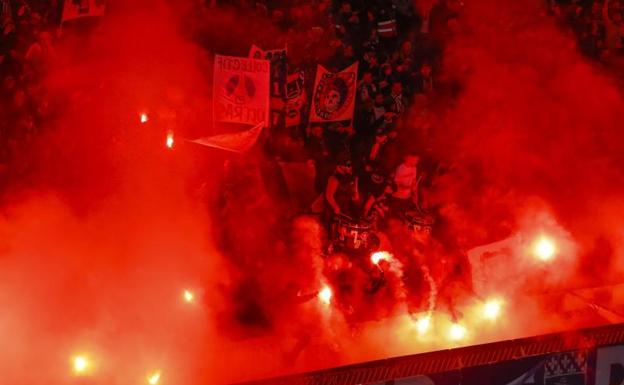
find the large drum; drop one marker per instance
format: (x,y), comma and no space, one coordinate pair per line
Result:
(350,233)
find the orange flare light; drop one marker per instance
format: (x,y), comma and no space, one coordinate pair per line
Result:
(492,309)
(80,365)
(379,256)
(144,118)
(170,139)
(153,378)
(457,332)
(325,295)
(188,296)
(423,324)
(544,249)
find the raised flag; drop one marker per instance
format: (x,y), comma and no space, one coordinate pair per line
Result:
(279,69)
(334,95)
(241,90)
(75,9)
(295,98)
(239,142)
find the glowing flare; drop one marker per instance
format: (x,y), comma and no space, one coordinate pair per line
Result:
(169,139)
(457,332)
(144,118)
(379,256)
(423,324)
(544,249)
(188,296)
(153,378)
(492,309)
(325,295)
(80,364)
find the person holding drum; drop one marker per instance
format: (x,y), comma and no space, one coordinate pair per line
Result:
(341,192)
(406,179)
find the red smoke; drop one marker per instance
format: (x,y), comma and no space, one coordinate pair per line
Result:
(99,243)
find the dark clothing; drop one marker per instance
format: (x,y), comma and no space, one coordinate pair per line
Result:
(344,194)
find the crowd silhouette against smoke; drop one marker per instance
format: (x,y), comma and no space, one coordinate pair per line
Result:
(192,265)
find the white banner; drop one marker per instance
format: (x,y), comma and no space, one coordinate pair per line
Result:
(241,90)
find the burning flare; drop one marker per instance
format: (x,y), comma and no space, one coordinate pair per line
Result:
(144,117)
(170,139)
(423,324)
(544,249)
(492,309)
(188,296)
(379,256)
(153,378)
(457,332)
(80,364)
(325,295)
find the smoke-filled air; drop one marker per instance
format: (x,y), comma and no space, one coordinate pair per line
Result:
(374,179)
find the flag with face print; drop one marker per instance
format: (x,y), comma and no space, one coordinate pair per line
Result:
(334,95)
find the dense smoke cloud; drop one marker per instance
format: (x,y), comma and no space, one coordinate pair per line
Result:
(97,249)
(535,127)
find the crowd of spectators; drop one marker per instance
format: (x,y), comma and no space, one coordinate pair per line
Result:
(598,25)
(26,44)
(397,43)
(373,158)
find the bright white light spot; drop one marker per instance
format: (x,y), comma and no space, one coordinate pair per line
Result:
(144,118)
(325,295)
(423,324)
(189,296)
(379,256)
(170,139)
(457,332)
(544,249)
(80,364)
(153,378)
(492,309)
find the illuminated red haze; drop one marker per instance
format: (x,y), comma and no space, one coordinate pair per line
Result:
(110,268)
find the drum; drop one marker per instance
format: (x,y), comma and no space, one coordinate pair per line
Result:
(349,233)
(418,221)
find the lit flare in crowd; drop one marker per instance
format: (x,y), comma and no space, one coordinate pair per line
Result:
(144,117)
(544,249)
(457,332)
(80,364)
(170,139)
(423,324)
(325,295)
(492,309)
(189,297)
(379,256)
(153,378)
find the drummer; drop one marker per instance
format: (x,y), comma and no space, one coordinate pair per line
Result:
(377,201)
(341,193)
(406,179)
